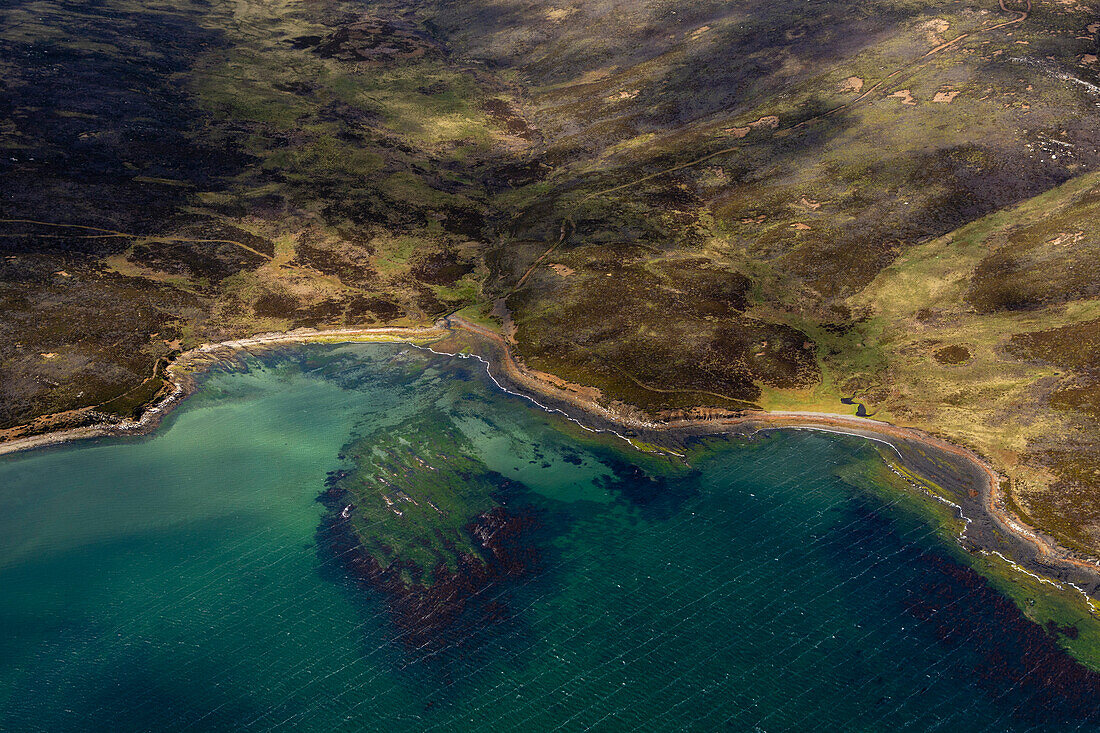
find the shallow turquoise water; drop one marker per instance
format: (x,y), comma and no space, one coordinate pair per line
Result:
(175,582)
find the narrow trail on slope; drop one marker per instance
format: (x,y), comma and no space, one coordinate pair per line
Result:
(567,222)
(745,404)
(914,67)
(101,232)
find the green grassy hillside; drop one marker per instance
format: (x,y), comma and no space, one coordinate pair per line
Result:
(767,204)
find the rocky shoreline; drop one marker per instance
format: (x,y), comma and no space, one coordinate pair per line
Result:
(974,485)
(56,429)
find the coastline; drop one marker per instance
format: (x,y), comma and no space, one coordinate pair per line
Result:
(178,376)
(989,526)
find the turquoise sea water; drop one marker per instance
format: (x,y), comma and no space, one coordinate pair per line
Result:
(176,582)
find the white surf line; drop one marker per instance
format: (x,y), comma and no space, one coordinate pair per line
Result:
(835,431)
(546,408)
(1060,584)
(967,520)
(349,336)
(961,514)
(958,508)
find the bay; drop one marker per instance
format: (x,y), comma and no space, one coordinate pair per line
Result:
(178,581)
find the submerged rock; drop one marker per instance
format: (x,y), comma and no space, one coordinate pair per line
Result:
(451,540)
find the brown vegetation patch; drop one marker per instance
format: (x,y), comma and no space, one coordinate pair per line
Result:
(375,306)
(828,260)
(429,304)
(327,312)
(210,261)
(466,222)
(440,268)
(1084,399)
(954,354)
(666,334)
(708,286)
(997,285)
(373,40)
(1072,504)
(1076,346)
(1048,260)
(349,263)
(275,305)
(100,330)
(504,114)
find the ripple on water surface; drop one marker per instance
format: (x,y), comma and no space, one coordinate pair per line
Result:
(184,581)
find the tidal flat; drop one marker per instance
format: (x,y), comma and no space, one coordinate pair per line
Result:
(367,536)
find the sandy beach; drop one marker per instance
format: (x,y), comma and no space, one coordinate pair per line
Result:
(989,526)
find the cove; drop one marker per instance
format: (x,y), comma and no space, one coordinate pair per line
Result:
(206,577)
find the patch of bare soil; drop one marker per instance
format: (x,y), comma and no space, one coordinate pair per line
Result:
(768,122)
(933,29)
(852,84)
(905,96)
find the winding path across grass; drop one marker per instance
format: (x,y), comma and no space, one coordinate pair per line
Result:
(913,67)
